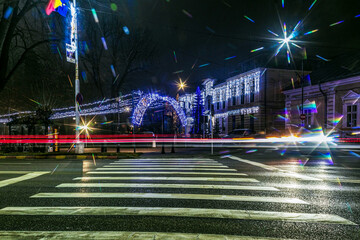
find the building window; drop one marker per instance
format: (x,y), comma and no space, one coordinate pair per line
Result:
(252,126)
(218,105)
(308,118)
(233,122)
(233,95)
(223,105)
(209,104)
(351,115)
(242,123)
(252,97)
(252,90)
(242,93)
(223,125)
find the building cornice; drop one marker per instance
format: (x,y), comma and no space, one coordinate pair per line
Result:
(331,84)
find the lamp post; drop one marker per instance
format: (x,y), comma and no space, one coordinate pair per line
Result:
(74,41)
(162,130)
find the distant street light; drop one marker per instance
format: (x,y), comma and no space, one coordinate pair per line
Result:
(181,85)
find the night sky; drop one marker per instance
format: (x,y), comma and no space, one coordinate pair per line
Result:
(209,31)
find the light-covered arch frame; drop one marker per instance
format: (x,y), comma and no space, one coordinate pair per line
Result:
(149,99)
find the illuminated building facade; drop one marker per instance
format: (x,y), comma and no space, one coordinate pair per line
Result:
(326,104)
(331,97)
(250,100)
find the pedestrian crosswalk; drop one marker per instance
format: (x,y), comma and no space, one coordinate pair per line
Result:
(174,188)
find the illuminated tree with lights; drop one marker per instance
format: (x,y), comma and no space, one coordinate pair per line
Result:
(198,112)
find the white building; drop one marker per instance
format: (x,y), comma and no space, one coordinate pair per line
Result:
(250,100)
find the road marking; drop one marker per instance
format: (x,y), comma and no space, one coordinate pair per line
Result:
(186,169)
(21,178)
(15,163)
(171,164)
(270,168)
(173,173)
(180,163)
(315,187)
(180,212)
(171,179)
(147,185)
(84,235)
(14,172)
(166,165)
(288,175)
(342,180)
(314,168)
(240,198)
(166,159)
(284,173)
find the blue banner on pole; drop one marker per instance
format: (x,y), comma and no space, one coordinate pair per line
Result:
(62,10)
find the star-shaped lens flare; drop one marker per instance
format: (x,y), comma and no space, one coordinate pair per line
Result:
(287,40)
(181,85)
(85,127)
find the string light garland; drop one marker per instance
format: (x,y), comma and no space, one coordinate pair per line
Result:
(243,84)
(103,107)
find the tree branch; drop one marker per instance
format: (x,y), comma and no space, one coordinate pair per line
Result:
(23,56)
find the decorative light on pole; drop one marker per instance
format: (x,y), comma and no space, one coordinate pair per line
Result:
(60,6)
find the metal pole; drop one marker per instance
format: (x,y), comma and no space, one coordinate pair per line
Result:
(212,135)
(133,109)
(162,131)
(79,147)
(302,91)
(118,126)
(173,143)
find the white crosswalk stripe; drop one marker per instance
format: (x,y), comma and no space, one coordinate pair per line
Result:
(165,159)
(183,212)
(148,185)
(167,165)
(239,198)
(252,180)
(86,235)
(167,173)
(183,169)
(172,163)
(168,161)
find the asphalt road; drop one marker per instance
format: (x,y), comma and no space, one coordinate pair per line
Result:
(235,194)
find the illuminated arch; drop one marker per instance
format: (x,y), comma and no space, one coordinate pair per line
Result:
(149,99)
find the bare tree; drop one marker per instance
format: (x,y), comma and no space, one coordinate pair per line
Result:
(127,53)
(130,55)
(20,33)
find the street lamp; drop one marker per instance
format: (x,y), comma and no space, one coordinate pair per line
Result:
(181,85)
(79,146)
